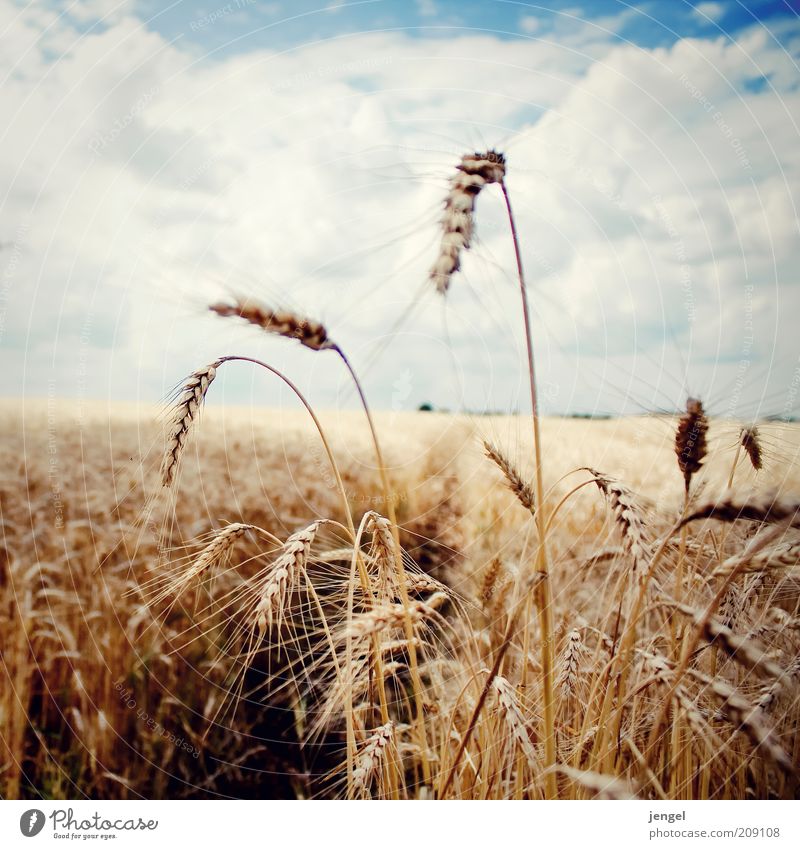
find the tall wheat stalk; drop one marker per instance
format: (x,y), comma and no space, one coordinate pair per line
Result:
(543,587)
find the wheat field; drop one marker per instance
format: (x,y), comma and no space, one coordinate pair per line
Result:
(300,603)
(137,664)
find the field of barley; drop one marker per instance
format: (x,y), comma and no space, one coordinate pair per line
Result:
(272,624)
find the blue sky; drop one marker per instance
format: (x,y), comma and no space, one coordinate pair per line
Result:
(157,156)
(285,25)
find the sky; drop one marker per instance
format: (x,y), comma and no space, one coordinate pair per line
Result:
(158,156)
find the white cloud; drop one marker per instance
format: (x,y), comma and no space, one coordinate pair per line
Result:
(710,10)
(650,187)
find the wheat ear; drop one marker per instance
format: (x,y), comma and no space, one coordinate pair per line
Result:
(475,171)
(751,442)
(184,415)
(784,555)
(603,786)
(281,579)
(743,650)
(570,661)
(222,543)
(515,721)
(370,758)
(516,483)
(627,514)
(385,616)
(690,440)
(310,333)
(771,692)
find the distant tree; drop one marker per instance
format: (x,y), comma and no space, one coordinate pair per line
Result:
(425,407)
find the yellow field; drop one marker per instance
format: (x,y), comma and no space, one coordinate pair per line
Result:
(116,676)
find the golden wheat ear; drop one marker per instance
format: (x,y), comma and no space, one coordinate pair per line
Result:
(627,513)
(370,759)
(516,483)
(475,171)
(311,334)
(184,416)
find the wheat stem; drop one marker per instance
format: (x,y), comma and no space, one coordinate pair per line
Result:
(419,718)
(544,589)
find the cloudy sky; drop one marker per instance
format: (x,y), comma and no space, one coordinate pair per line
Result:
(157,155)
